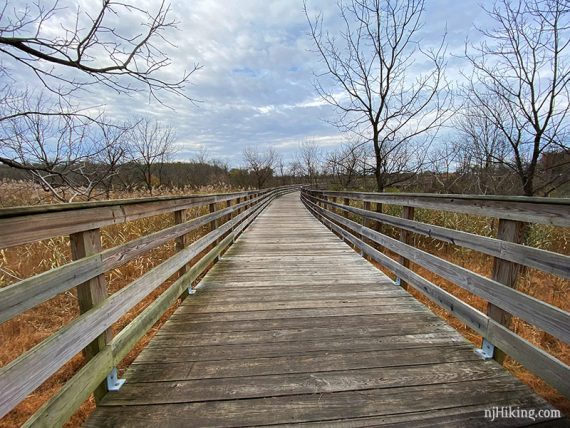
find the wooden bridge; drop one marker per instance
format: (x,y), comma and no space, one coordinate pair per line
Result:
(291,325)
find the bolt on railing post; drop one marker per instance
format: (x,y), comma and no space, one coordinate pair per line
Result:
(406,238)
(90,294)
(506,273)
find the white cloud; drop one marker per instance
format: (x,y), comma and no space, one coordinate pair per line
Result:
(256,84)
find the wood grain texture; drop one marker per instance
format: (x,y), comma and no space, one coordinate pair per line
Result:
(543,315)
(48,356)
(555,211)
(290,327)
(30,292)
(23,225)
(554,371)
(548,261)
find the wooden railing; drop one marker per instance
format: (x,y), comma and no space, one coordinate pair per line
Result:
(507,250)
(229,214)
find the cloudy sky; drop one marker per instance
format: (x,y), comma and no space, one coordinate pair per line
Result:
(256,84)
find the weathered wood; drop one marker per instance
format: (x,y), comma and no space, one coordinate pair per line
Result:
(314,362)
(548,317)
(548,261)
(30,292)
(91,293)
(250,360)
(60,407)
(24,225)
(182,240)
(346,405)
(506,273)
(521,208)
(406,238)
(539,362)
(47,357)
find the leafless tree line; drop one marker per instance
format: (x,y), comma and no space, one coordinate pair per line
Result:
(71,157)
(509,120)
(71,151)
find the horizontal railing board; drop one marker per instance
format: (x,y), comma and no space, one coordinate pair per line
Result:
(547,317)
(75,206)
(30,292)
(547,261)
(47,357)
(553,371)
(23,229)
(533,210)
(64,404)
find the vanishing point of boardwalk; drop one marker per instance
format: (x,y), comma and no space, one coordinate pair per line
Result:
(293,326)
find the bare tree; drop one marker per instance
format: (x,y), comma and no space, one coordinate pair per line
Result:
(260,164)
(347,164)
(521,83)
(70,51)
(111,154)
(150,145)
(295,169)
(309,157)
(376,88)
(480,151)
(93,45)
(67,155)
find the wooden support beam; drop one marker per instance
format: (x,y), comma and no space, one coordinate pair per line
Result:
(181,241)
(91,293)
(378,223)
(506,273)
(406,238)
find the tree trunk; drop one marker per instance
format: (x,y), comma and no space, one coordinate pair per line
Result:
(378,166)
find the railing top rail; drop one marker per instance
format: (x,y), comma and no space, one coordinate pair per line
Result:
(23,225)
(74,206)
(553,211)
(494,198)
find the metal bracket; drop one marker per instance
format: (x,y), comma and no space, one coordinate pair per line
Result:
(113,381)
(191,290)
(397,282)
(487,350)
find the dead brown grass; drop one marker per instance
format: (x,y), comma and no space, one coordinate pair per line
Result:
(30,328)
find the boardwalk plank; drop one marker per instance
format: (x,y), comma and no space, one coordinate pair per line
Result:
(294,327)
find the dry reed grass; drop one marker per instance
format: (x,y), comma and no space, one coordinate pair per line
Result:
(30,328)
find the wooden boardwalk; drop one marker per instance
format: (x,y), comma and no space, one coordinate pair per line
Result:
(293,326)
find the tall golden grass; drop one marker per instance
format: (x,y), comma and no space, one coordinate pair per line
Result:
(30,328)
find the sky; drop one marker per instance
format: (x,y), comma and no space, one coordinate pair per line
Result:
(256,84)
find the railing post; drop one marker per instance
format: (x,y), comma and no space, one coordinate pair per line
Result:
(213,226)
(228,205)
(366,223)
(506,273)
(379,223)
(91,293)
(366,206)
(181,241)
(406,238)
(346,202)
